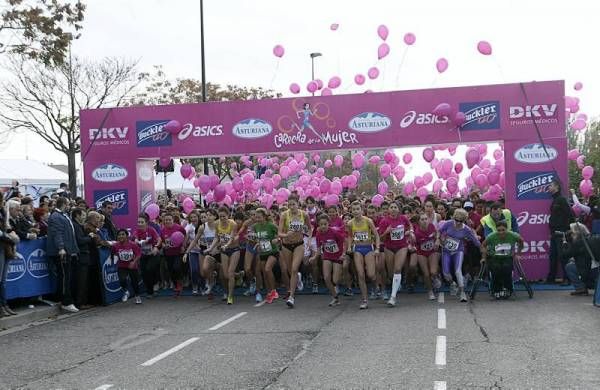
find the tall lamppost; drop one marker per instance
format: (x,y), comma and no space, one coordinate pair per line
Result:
(312,59)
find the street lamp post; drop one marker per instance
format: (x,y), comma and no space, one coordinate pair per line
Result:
(312,59)
(205,160)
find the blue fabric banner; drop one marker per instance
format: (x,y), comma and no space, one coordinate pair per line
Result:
(30,274)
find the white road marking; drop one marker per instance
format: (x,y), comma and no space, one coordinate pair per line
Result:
(227,321)
(440,351)
(170,351)
(441,297)
(259,304)
(103,387)
(439,385)
(441,318)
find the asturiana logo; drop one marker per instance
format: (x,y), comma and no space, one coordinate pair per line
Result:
(252,128)
(152,133)
(110,276)
(16,268)
(481,115)
(37,264)
(117,197)
(369,122)
(535,154)
(109,173)
(534,185)
(411,117)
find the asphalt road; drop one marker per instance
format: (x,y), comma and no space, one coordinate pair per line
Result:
(549,342)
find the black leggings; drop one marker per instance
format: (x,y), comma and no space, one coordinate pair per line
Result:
(133,276)
(175,265)
(501,274)
(150,272)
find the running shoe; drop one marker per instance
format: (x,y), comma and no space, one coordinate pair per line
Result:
(392,302)
(239,278)
(431,296)
(276,294)
(270,297)
(285,297)
(348,292)
(253,286)
(453,289)
(437,283)
(70,308)
(125,296)
(290,302)
(138,300)
(230,300)
(195,291)
(247,293)
(208,290)
(224,296)
(363,305)
(386,295)
(497,295)
(258,297)
(315,289)
(334,302)
(463,296)
(300,283)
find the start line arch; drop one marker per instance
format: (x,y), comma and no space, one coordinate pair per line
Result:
(121,144)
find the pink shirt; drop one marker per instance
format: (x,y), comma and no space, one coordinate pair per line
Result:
(331,243)
(425,239)
(165,234)
(149,236)
(397,238)
(126,254)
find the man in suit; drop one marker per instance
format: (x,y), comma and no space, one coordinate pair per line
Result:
(62,249)
(84,239)
(109,226)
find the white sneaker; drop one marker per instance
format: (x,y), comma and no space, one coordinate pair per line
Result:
(463,296)
(453,289)
(431,296)
(208,290)
(290,302)
(392,302)
(71,308)
(315,289)
(125,296)
(195,291)
(363,305)
(253,287)
(299,283)
(437,283)
(334,302)
(138,300)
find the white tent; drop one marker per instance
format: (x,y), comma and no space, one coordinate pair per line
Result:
(30,172)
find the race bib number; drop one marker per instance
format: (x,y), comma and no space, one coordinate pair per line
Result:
(224,238)
(427,246)
(296,226)
(451,244)
(330,246)
(397,234)
(503,249)
(251,236)
(265,246)
(361,236)
(126,255)
(168,243)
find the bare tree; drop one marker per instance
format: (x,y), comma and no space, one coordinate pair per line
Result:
(46,100)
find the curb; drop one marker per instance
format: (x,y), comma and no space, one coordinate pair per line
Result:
(26,316)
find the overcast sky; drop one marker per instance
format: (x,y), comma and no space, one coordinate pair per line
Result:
(532,40)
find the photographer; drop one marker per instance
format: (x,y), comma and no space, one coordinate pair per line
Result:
(580,268)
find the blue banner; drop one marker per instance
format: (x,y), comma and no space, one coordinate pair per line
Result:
(30,274)
(111,289)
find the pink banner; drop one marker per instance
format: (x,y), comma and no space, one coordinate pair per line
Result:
(114,139)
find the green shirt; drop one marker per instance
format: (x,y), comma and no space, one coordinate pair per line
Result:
(266,232)
(504,247)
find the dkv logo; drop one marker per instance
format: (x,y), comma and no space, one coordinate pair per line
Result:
(109,136)
(152,133)
(536,154)
(252,128)
(119,198)
(411,117)
(109,173)
(532,219)
(369,122)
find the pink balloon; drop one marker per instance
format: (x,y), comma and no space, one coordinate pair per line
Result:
(338,160)
(188,205)
(442,109)
(331,200)
(377,200)
(352,181)
(452,185)
(422,193)
(409,188)
(428,154)
(358,160)
(410,38)
(294,88)
(382,188)
(427,178)
(472,157)
(578,85)
(256,185)
(214,180)
(580,162)
(204,184)
(382,31)
(587,172)
(446,166)
(441,65)
(267,200)
(185,170)
(481,180)
(152,210)
(284,171)
(385,170)
(419,182)
(336,187)
(319,84)
(278,51)
(383,51)
(485,163)
(334,26)
(586,187)
(209,198)
(268,185)
(325,186)
(582,116)
(573,154)
(494,176)
(326,92)
(312,86)
(458,168)
(459,119)
(177,238)
(578,124)
(374,160)
(164,162)
(437,185)
(399,173)
(373,73)
(359,79)
(484,48)
(407,158)
(334,82)
(328,163)
(219,192)
(173,127)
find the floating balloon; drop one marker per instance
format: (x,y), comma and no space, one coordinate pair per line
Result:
(409,188)
(427,178)
(319,84)
(338,160)
(185,170)
(428,154)
(373,73)
(326,92)
(374,160)
(336,187)
(580,162)
(382,31)
(352,181)
(358,160)
(153,211)
(410,38)
(284,171)
(385,170)
(334,82)
(586,187)
(459,119)
(481,180)
(173,127)
(177,239)
(204,184)
(441,65)
(164,162)
(377,200)
(328,163)
(437,185)
(493,177)
(442,109)
(578,124)
(419,182)
(452,185)
(334,26)
(587,172)
(382,188)
(331,200)
(325,186)
(359,79)
(407,158)
(294,88)
(458,168)
(383,51)
(472,157)
(578,85)
(188,205)
(399,173)
(312,86)
(278,51)
(573,154)
(422,193)
(219,192)
(484,48)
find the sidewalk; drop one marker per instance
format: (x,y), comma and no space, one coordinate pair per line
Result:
(27,315)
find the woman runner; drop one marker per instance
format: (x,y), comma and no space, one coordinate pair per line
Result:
(206,239)
(267,247)
(128,256)
(173,253)
(427,242)
(331,244)
(149,240)
(230,251)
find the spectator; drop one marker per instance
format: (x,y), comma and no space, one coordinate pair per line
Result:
(580,267)
(109,226)
(40,216)
(498,213)
(13,191)
(27,221)
(7,251)
(63,191)
(560,218)
(17,223)
(62,249)
(84,240)
(92,225)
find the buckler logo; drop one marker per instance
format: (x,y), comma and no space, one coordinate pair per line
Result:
(534,185)
(119,199)
(481,115)
(152,133)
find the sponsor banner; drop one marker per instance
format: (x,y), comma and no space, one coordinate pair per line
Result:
(540,114)
(119,198)
(152,133)
(111,289)
(30,274)
(535,154)
(418,119)
(252,129)
(534,185)
(109,173)
(481,115)
(369,122)
(108,136)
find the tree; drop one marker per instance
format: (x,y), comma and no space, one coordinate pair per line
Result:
(588,144)
(158,89)
(40,29)
(46,100)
